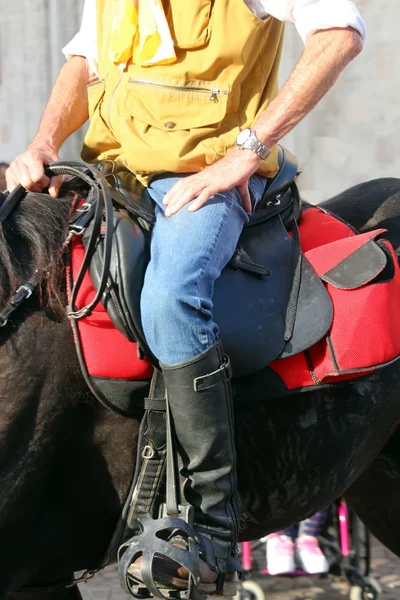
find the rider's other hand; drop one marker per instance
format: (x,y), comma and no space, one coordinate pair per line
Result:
(27,169)
(232,171)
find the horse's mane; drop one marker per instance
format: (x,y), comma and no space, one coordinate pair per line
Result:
(32,238)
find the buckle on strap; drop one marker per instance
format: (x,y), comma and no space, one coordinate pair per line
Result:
(221,375)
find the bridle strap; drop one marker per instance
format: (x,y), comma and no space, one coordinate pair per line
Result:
(22,293)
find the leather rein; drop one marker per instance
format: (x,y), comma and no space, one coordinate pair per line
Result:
(97,204)
(97,208)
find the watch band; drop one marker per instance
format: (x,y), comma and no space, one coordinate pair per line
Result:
(259,148)
(254,144)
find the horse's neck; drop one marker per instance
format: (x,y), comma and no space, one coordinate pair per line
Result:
(66,462)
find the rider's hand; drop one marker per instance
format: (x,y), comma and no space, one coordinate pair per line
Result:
(27,169)
(232,171)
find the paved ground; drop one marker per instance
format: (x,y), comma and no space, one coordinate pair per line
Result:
(385,568)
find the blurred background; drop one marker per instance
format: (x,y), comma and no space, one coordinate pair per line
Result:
(350,137)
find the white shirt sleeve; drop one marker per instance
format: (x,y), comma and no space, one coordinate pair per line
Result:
(85,41)
(309,16)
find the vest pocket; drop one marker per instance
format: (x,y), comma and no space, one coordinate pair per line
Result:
(189,22)
(165,123)
(173,105)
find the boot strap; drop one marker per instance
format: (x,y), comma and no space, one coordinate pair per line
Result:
(221,375)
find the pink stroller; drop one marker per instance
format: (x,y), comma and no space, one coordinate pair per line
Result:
(346,544)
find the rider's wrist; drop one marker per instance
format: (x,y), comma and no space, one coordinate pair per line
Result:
(247,155)
(43,145)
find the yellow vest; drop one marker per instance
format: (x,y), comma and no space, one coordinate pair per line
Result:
(184,116)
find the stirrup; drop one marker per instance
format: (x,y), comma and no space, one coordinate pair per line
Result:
(151,544)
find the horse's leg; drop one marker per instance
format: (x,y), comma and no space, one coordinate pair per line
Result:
(375,496)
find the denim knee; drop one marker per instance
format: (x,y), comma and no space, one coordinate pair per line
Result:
(177,323)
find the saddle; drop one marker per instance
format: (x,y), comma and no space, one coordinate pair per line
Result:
(255,296)
(281,313)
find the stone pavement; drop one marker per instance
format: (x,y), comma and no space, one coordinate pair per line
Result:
(385,568)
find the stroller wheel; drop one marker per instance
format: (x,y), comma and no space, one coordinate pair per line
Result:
(370,590)
(250,590)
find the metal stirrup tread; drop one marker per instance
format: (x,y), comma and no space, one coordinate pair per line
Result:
(155,542)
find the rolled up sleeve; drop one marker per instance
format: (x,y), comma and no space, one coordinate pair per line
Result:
(310,16)
(326,14)
(84,43)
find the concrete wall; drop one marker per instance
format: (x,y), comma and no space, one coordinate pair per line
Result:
(32,32)
(351,136)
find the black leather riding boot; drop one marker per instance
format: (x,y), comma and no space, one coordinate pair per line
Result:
(200,398)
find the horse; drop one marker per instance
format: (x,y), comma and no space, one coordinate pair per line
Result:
(67,462)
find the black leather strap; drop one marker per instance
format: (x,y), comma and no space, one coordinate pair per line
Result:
(241,260)
(297,264)
(100,197)
(151,454)
(173,490)
(222,375)
(155,404)
(11,201)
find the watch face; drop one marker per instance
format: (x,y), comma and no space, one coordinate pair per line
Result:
(243,136)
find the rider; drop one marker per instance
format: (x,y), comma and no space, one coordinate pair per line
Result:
(185,94)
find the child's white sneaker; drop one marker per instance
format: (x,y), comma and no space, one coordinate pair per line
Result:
(309,555)
(280,554)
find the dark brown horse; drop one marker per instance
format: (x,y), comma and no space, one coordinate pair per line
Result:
(66,463)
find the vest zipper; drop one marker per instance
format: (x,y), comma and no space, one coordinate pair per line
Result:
(95,82)
(111,99)
(213,92)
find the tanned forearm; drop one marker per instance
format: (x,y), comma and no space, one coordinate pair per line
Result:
(67,109)
(326,55)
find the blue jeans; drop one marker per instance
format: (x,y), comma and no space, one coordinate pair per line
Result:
(188,252)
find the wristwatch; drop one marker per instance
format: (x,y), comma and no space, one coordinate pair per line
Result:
(248,140)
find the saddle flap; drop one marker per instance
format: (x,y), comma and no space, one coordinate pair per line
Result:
(340,259)
(314,313)
(128,265)
(359,268)
(250,309)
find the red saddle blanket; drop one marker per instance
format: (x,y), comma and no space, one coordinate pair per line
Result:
(364,335)
(365,331)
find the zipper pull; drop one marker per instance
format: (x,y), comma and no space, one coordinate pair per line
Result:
(214,95)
